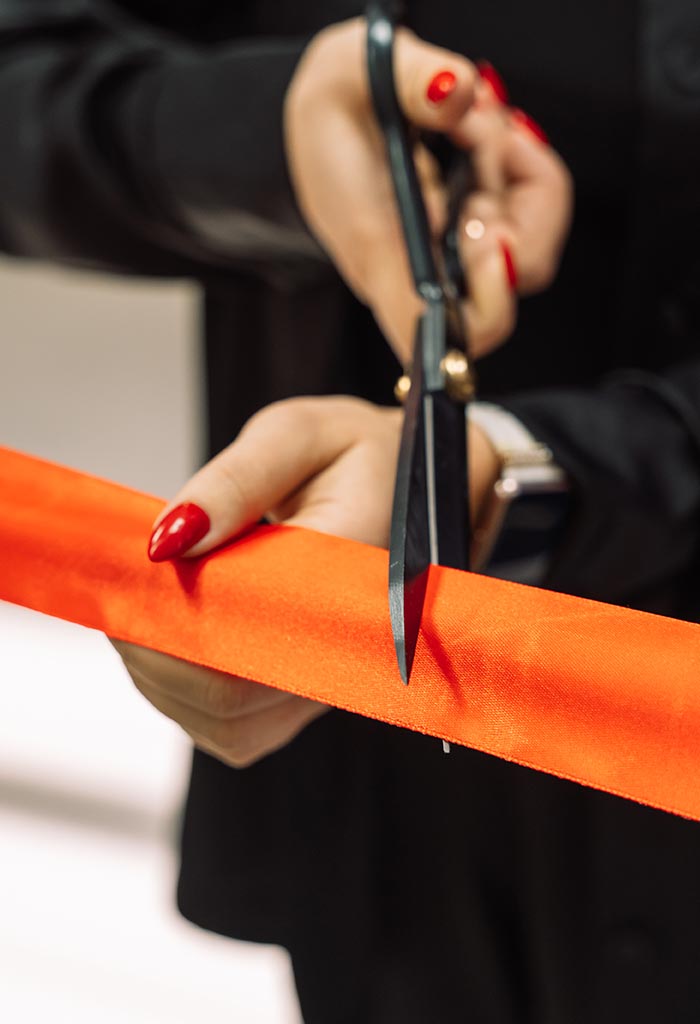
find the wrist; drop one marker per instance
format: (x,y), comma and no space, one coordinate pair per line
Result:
(521,511)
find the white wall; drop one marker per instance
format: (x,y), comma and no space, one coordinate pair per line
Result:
(102,375)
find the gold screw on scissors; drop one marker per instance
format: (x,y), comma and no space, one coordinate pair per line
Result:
(459,378)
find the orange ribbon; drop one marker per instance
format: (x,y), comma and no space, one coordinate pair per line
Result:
(590,692)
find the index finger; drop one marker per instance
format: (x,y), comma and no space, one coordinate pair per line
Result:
(278,451)
(202,689)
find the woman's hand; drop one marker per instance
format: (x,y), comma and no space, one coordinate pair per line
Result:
(324,463)
(512,227)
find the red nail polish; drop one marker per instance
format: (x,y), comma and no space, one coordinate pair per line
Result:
(524,120)
(441,86)
(511,272)
(491,77)
(178,532)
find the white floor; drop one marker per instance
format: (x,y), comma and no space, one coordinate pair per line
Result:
(102,375)
(90,783)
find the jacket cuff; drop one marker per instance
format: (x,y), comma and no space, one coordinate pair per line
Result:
(635,477)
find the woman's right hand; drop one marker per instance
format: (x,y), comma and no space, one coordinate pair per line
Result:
(519,214)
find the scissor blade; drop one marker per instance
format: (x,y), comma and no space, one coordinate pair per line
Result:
(447,480)
(409,550)
(430,521)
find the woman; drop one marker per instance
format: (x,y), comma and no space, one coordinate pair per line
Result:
(409,886)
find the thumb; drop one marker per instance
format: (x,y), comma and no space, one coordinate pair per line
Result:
(435,86)
(278,450)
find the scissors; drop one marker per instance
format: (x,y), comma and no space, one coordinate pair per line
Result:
(430,518)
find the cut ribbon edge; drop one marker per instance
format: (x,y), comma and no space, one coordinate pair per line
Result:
(593,693)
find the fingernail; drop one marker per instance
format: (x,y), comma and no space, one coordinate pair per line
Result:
(524,120)
(491,77)
(178,532)
(441,86)
(511,272)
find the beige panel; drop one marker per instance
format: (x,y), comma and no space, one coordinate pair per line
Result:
(101,373)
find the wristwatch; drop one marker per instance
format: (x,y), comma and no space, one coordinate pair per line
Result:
(523,518)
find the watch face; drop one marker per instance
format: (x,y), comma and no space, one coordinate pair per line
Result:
(532,528)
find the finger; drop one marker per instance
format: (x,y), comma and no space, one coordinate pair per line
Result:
(433,189)
(263,737)
(484,132)
(514,162)
(354,498)
(491,87)
(264,733)
(239,741)
(538,205)
(394,302)
(435,86)
(278,450)
(203,689)
(491,307)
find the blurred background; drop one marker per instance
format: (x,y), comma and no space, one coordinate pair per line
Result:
(105,376)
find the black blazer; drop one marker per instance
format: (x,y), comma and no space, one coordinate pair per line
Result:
(144,137)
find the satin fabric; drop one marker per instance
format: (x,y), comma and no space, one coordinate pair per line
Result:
(590,692)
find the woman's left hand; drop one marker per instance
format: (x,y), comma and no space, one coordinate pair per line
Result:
(324,463)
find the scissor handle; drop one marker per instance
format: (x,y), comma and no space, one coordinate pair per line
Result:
(381,31)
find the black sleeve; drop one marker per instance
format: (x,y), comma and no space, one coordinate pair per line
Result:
(632,452)
(126,149)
